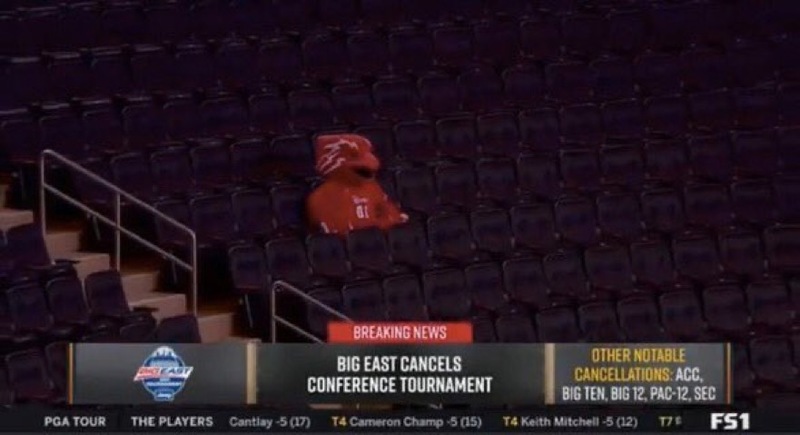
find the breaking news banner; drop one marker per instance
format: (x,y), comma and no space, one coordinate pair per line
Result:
(642,374)
(133,374)
(182,419)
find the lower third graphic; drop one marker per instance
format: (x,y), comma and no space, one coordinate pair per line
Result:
(163,374)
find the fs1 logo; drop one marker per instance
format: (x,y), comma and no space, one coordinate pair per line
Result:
(730,421)
(163,374)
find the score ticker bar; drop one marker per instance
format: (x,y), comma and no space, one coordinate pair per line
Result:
(474,374)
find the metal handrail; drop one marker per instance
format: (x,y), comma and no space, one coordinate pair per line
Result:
(275,319)
(116,223)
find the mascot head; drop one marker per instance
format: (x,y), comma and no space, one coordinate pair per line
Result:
(346,157)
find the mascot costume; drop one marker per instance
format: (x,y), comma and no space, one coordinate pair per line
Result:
(350,197)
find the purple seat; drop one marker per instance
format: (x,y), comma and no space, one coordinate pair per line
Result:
(452,45)
(403,298)
(558,325)
(410,50)
(64,134)
(248,269)
(457,137)
(707,205)
(751,62)
(783,402)
(236,63)
(696,257)
(211,165)
(183,118)
(137,332)
(293,155)
(28,376)
(153,68)
(280,59)
(368,52)
(538,174)
(287,261)
(627,30)
(20,137)
(109,73)
(711,110)
(395,98)
(658,73)
(598,323)
(224,116)
(787,197)
(106,298)
(496,41)
(481,89)
(705,69)
(652,263)
(144,124)
(569,82)
(755,107)
(249,159)
(446,294)
(524,85)
(515,328)
(666,115)
(540,129)
(167,234)
(68,306)
(743,376)
(725,310)
(498,133)
(408,245)
(317,318)
(675,26)
(368,249)
(439,94)
(483,329)
(325,55)
(563,270)
(288,206)
(533,226)
(30,252)
(755,153)
(327,255)
(310,108)
(580,169)
(450,237)
(353,104)
(581,124)
(295,15)
(782,245)
(491,230)
(56,356)
(525,281)
(666,160)
(415,140)
(382,141)
(788,99)
(497,179)
(639,320)
(416,189)
(619,215)
(576,220)
(584,34)
(741,253)
(420,10)
(788,140)
(623,119)
(28,311)
(609,269)
(102,129)
(622,165)
(540,39)
(167,21)
(337,13)
(753,201)
(682,315)
(363,301)
(710,157)
(253,213)
(484,282)
(613,79)
(171,171)
(213,219)
(769,304)
(178,329)
(771,359)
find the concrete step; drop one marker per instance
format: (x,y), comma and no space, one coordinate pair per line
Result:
(10,217)
(89,262)
(166,304)
(61,243)
(216,327)
(139,285)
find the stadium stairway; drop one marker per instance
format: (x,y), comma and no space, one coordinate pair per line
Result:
(139,276)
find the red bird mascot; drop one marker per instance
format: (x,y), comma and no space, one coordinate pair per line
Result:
(350,197)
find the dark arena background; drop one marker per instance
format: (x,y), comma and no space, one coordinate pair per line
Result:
(606,172)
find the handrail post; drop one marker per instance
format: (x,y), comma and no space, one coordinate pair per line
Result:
(272,313)
(194,273)
(42,195)
(117,233)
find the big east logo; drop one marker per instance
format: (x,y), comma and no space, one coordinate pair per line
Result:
(163,374)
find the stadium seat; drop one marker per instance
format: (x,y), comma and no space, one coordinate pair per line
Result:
(565,275)
(171,171)
(450,238)
(293,155)
(557,325)
(598,322)
(608,268)
(787,197)
(515,328)
(576,220)
(404,299)
(705,69)
(781,243)
(524,85)
(483,330)
(584,34)
(29,312)
(415,140)
(137,332)
(416,189)
(622,165)
(525,281)
(711,110)
(269,113)
(481,89)
(363,301)
(755,154)
(287,261)
(452,45)
(756,107)
(410,50)
(446,294)
(662,209)
(771,359)
(56,355)
(682,315)
(538,174)
(540,39)
(288,202)
(438,94)
(619,215)
(753,201)
(491,230)
(213,220)
(497,179)
(248,269)
(396,98)
(131,172)
(280,59)
(327,255)
(741,253)
(533,226)
(652,263)
(657,73)
(310,109)
(408,245)
(639,319)
(581,124)
(769,304)
(317,318)
(580,169)
(496,41)
(68,306)
(353,104)
(324,54)
(710,157)
(456,184)
(484,282)
(178,329)
(539,129)
(498,134)
(627,30)
(707,205)
(569,82)
(696,257)
(725,310)
(28,376)
(623,119)
(457,137)
(106,298)
(614,79)
(666,115)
